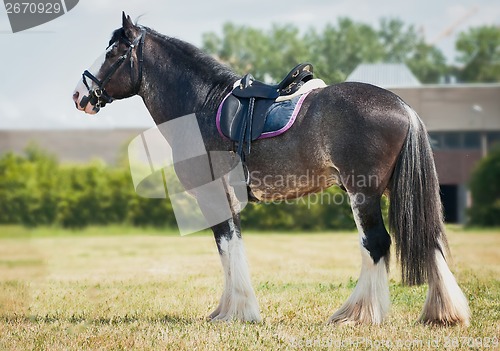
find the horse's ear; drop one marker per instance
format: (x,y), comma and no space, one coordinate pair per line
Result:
(126,21)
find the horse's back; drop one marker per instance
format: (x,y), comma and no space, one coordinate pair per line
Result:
(354,103)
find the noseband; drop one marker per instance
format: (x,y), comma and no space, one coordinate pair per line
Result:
(98,97)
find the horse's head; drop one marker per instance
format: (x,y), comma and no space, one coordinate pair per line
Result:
(117,74)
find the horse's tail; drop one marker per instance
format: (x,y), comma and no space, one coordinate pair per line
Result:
(415,214)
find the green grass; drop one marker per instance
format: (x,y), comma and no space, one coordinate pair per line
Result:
(18,231)
(82,291)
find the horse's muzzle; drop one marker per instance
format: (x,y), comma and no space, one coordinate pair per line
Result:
(84,103)
(76,95)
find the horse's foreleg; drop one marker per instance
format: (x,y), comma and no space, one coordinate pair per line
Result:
(369,302)
(238,300)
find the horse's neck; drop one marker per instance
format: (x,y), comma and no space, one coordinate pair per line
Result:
(181,84)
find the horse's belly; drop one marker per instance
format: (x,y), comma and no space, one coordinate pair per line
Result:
(280,186)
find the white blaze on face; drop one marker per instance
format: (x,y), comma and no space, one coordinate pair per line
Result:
(81,90)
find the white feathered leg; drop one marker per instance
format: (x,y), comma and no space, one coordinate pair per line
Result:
(445,304)
(238,300)
(369,302)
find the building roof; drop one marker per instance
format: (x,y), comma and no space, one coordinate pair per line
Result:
(73,145)
(385,75)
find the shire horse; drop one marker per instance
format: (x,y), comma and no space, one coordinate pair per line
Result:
(342,130)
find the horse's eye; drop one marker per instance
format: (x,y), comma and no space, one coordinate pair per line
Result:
(111,49)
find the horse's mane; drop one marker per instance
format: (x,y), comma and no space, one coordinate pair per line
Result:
(195,73)
(194,53)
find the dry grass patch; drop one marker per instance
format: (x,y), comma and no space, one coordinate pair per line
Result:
(143,291)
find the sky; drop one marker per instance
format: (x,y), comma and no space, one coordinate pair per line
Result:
(39,67)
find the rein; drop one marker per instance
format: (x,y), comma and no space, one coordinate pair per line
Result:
(98,96)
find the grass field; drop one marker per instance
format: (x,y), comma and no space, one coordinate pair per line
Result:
(142,290)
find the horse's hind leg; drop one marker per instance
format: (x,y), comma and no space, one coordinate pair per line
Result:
(446,304)
(369,302)
(238,300)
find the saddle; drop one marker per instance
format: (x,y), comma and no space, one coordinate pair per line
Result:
(244,111)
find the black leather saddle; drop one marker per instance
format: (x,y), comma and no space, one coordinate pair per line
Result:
(243,114)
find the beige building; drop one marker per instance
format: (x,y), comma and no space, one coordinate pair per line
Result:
(73,146)
(463,121)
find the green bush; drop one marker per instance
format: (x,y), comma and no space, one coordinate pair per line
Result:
(36,190)
(322,211)
(485,189)
(27,188)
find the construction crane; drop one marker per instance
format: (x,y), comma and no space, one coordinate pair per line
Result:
(448,31)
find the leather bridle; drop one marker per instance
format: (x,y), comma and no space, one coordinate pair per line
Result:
(98,96)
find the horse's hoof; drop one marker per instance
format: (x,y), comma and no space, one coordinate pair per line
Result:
(444,322)
(342,321)
(228,319)
(214,314)
(347,316)
(218,319)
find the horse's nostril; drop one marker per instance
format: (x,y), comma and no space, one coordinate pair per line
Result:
(75,96)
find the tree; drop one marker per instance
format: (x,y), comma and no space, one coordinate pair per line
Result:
(267,55)
(479,52)
(340,48)
(402,44)
(397,40)
(335,51)
(427,63)
(485,189)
